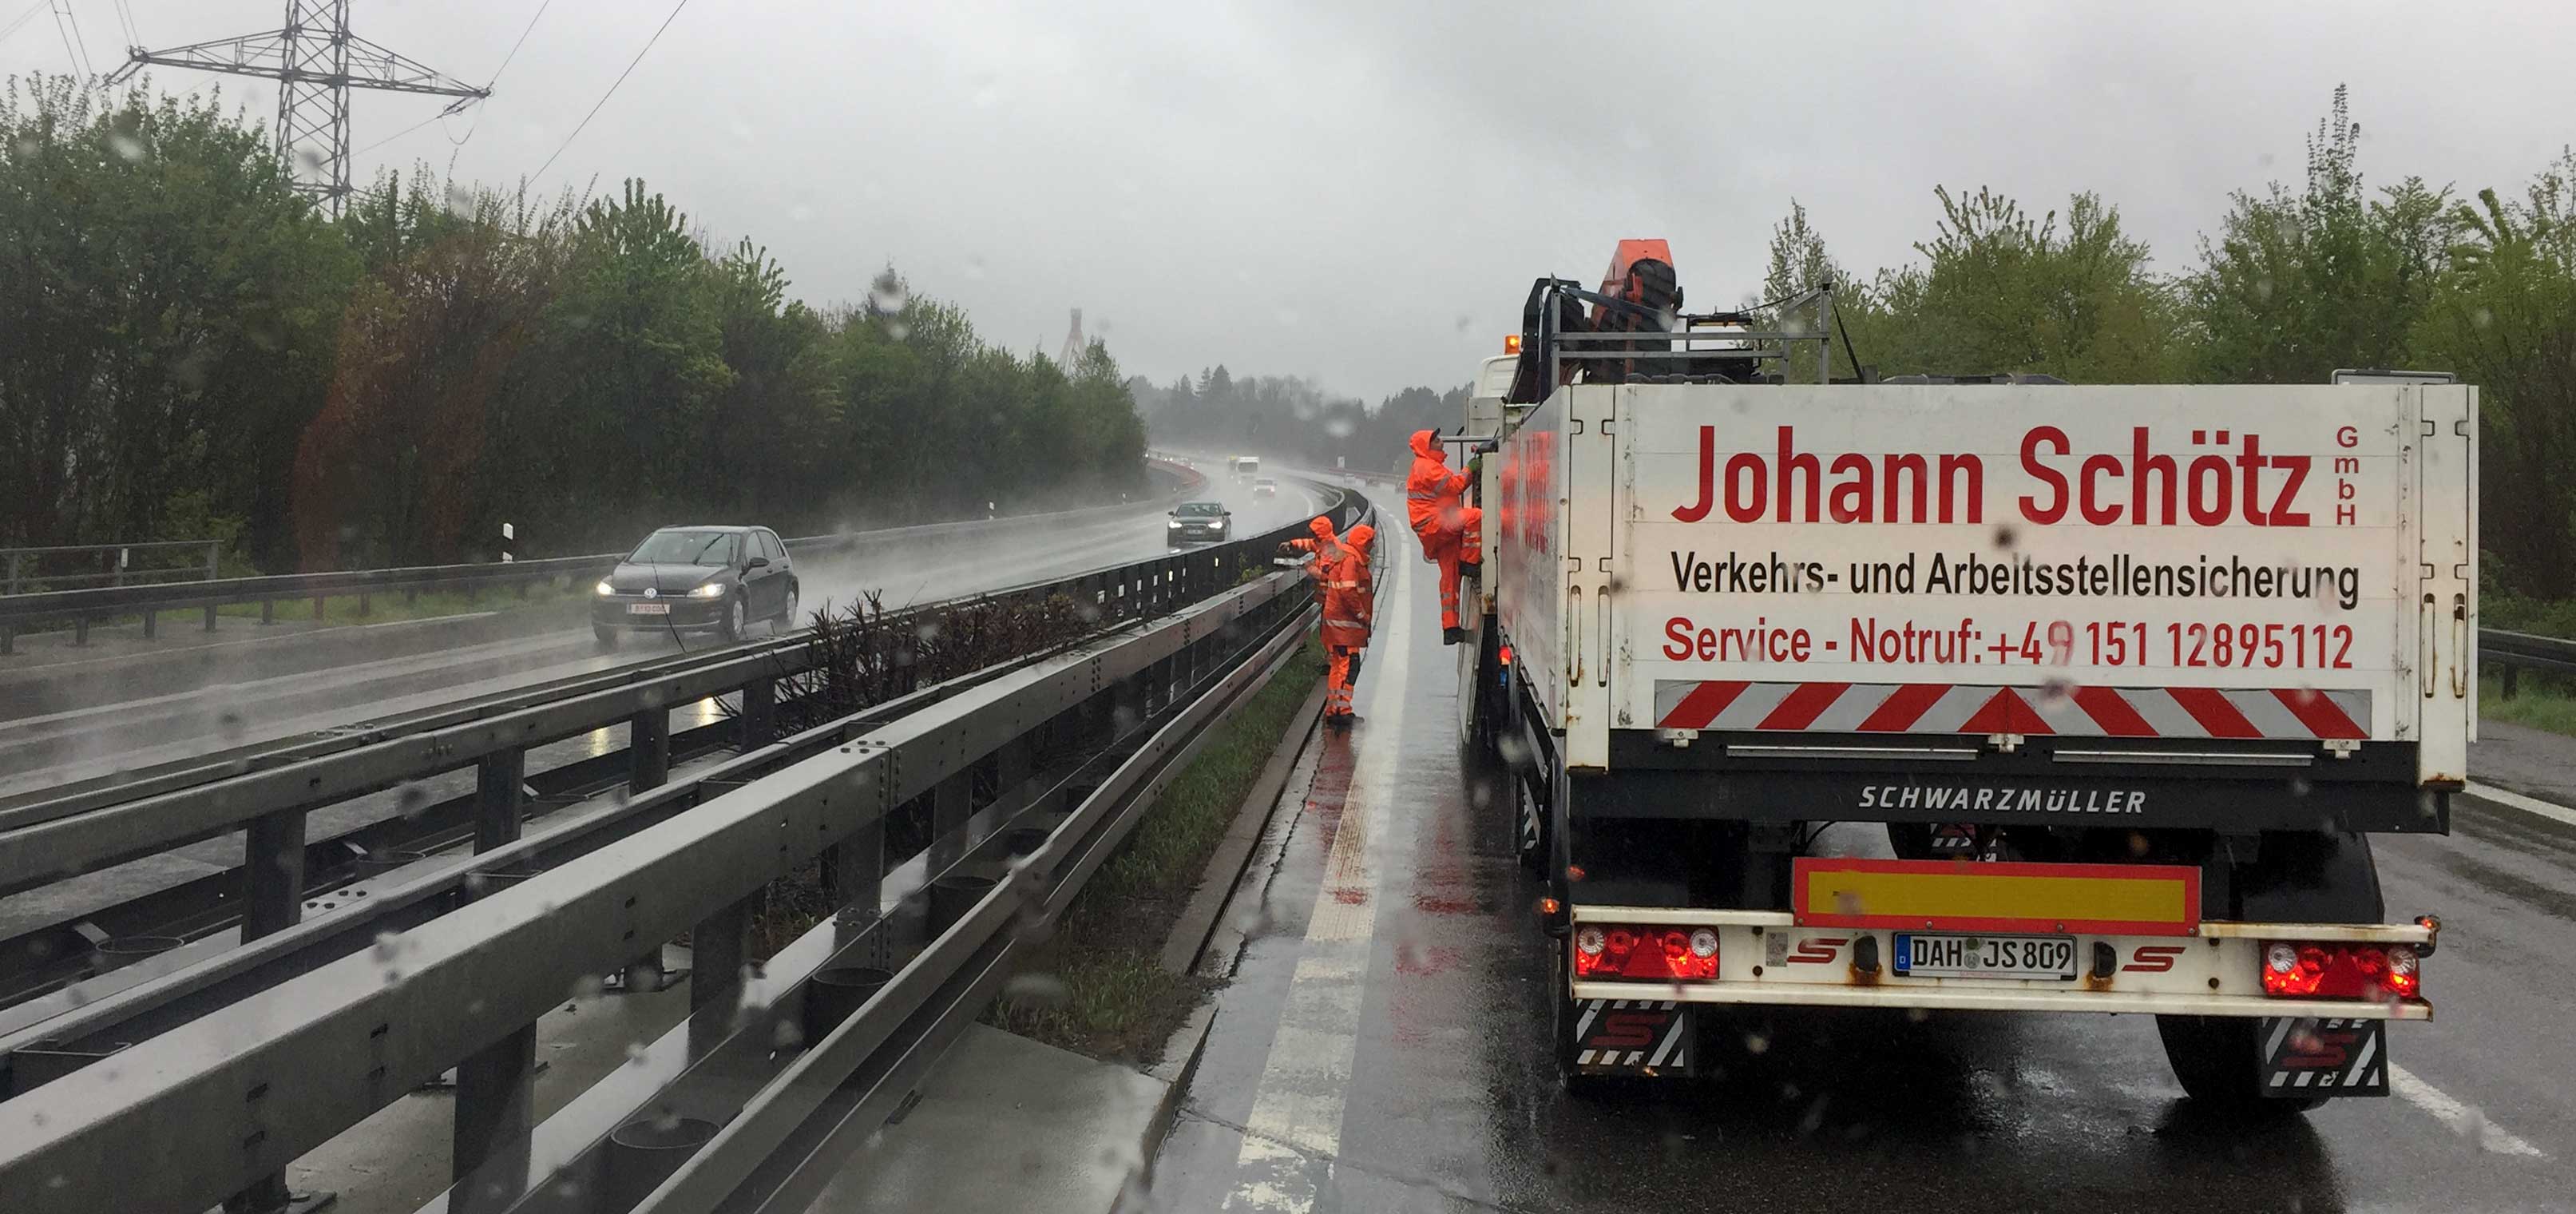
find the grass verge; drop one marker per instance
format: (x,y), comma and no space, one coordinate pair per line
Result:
(2535,705)
(1098,987)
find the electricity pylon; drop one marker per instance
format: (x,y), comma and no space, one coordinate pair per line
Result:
(316,61)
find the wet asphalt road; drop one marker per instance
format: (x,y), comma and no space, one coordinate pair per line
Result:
(283,686)
(1382,1045)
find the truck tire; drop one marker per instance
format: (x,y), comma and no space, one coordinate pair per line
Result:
(1910,840)
(2217,1060)
(2295,877)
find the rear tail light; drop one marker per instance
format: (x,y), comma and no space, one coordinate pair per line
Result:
(1659,952)
(2341,971)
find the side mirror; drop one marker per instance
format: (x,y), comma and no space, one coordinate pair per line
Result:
(1229,514)
(757,562)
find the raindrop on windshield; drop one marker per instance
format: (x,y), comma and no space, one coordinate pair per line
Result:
(388,945)
(127,147)
(636,1053)
(1755,1043)
(411,800)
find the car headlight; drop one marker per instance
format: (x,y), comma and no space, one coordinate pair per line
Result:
(1175,524)
(603,588)
(712,590)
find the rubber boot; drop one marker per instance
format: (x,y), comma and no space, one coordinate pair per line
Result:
(1453,636)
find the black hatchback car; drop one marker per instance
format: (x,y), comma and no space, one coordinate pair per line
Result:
(1199,523)
(697,578)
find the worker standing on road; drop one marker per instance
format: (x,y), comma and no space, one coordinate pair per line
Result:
(1349,609)
(1431,503)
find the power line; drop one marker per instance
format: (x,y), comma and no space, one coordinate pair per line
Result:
(523,41)
(612,91)
(25,17)
(125,22)
(399,134)
(68,28)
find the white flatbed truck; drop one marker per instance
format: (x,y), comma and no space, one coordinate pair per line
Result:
(2129,672)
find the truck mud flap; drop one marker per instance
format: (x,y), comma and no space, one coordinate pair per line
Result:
(1632,1037)
(2308,1056)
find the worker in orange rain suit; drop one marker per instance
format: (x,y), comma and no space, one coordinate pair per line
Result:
(1431,503)
(1471,542)
(1323,546)
(1350,608)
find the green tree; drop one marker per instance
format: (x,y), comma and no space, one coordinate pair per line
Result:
(2299,284)
(168,322)
(2504,318)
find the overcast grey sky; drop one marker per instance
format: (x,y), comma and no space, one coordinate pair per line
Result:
(1360,193)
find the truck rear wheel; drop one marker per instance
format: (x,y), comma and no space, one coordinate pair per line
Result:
(2219,1062)
(2295,877)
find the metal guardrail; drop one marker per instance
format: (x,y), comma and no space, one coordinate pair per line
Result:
(226,1100)
(19,566)
(45,841)
(2515,652)
(82,607)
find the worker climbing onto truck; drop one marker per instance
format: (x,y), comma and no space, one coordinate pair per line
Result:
(1471,542)
(1431,504)
(1350,607)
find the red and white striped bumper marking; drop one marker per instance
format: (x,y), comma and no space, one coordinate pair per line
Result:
(2082,712)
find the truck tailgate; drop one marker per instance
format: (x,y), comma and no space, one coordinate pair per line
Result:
(2150,564)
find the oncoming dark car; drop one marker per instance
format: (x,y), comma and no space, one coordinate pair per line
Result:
(695,578)
(1199,523)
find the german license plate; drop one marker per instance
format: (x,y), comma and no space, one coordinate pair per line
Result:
(648,609)
(1960,955)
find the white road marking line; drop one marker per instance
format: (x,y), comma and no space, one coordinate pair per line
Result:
(2529,805)
(1297,1110)
(2462,1119)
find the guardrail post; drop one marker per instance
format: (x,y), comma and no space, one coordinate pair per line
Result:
(759,713)
(151,623)
(2512,681)
(854,872)
(8,639)
(210,617)
(648,740)
(268,611)
(213,570)
(364,607)
(717,951)
(317,608)
(951,803)
(493,1085)
(80,631)
(272,901)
